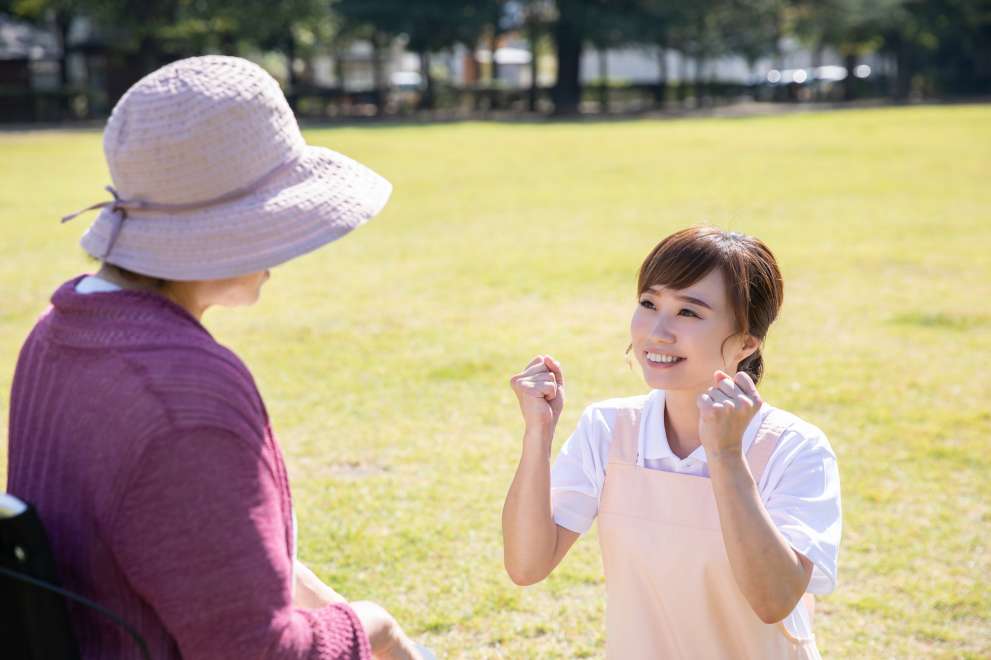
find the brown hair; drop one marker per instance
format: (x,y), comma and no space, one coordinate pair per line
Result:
(754,286)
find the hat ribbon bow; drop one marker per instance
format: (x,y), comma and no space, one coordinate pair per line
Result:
(120,206)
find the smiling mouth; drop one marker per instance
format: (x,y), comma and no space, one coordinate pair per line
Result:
(663,359)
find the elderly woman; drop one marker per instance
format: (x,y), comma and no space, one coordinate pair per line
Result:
(143,443)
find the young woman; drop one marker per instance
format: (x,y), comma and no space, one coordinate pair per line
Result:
(143,443)
(719,515)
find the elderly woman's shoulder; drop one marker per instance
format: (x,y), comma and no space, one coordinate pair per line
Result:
(202,360)
(203,384)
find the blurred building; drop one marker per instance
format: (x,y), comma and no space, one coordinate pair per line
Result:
(28,66)
(43,80)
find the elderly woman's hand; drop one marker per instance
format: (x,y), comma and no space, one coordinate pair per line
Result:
(387,638)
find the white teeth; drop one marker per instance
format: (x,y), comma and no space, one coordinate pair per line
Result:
(660,357)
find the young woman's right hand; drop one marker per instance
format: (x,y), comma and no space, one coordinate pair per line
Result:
(539,388)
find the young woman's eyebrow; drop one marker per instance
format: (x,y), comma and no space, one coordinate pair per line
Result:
(656,291)
(694,301)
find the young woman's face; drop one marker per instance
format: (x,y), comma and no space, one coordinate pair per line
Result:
(677,335)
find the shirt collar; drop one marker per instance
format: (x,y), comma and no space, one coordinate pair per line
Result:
(653,438)
(119,318)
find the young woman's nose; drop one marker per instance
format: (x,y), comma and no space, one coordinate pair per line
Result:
(661,331)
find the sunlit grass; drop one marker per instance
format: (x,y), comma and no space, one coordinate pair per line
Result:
(384,359)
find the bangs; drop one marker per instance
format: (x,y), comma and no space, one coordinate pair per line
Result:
(682,259)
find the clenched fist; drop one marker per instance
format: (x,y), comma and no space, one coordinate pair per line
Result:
(725,411)
(539,388)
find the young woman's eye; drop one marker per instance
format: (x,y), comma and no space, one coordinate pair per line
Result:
(688,312)
(647,304)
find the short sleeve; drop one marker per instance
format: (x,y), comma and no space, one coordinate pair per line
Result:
(801,492)
(578,474)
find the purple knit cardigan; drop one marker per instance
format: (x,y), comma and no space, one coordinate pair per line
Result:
(146,449)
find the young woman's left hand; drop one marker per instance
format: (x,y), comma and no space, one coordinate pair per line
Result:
(725,410)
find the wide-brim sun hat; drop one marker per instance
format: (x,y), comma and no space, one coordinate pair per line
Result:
(213,179)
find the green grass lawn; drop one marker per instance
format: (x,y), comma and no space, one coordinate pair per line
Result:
(385,358)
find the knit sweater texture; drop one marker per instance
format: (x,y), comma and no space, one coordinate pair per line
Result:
(147,451)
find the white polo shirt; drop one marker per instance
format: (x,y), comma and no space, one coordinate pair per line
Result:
(94,284)
(800,487)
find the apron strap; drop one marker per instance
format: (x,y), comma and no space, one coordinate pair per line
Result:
(625,436)
(770,431)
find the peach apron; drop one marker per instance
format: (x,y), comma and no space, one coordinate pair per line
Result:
(670,589)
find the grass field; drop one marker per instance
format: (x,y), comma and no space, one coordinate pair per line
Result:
(384,359)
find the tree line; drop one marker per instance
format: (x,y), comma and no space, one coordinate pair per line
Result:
(941,47)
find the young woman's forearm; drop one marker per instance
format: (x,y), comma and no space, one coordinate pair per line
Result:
(528,529)
(532,543)
(772,576)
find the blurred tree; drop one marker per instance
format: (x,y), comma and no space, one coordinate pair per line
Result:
(940,46)
(429,25)
(653,25)
(610,29)
(698,30)
(149,33)
(295,28)
(497,24)
(576,23)
(146,33)
(852,27)
(534,19)
(57,13)
(463,22)
(570,30)
(702,29)
(753,28)
(376,22)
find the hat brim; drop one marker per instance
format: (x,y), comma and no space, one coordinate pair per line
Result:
(321,198)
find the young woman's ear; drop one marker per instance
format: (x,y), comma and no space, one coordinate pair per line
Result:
(750,346)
